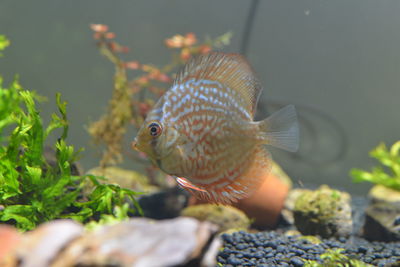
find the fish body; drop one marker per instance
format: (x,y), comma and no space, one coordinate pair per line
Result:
(202,130)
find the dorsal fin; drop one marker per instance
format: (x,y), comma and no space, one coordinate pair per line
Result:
(230,70)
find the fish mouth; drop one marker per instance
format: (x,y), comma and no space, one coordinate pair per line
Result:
(134,145)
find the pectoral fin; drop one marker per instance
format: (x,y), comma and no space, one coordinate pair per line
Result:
(188,185)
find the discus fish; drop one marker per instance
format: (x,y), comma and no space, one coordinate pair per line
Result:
(202,131)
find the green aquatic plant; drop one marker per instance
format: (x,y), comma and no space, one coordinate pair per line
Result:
(120,214)
(335,258)
(388,174)
(32,188)
(133,98)
(4,42)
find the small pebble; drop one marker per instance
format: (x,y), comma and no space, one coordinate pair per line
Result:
(362,249)
(274,249)
(234,261)
(297,262)
(242,246)
(281,248)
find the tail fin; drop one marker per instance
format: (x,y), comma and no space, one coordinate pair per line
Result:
(281,129)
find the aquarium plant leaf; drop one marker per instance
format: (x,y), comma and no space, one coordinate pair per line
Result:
(4,42)
(35,174)
(33,143)
(388,174)
(10,104)
(8,179)
(35,189)
(24,215)
(120,214)
(32,190)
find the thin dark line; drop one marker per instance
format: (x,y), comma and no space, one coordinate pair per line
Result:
(248,26)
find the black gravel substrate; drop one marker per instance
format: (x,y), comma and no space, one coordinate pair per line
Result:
(274,249)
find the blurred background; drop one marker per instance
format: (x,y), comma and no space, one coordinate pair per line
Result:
(337,61)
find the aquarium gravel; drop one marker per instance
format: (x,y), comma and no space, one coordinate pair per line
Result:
(274,249)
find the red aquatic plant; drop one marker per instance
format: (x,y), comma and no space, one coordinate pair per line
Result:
(133,98)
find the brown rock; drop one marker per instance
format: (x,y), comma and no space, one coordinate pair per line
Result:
(41,246)
(287,212)
(382,216)
(164,204)
(209,258)
(226,217)
(140,242)
(325,212)
(125,178)
(9,240)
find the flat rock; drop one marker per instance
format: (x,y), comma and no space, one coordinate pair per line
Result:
(10,239)
(41,246)
(125,178)
(226,217)
(140,242)
(287,211)
(382,217)
(164,204)
(325,212)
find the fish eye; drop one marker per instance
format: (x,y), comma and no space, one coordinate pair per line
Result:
(154,129)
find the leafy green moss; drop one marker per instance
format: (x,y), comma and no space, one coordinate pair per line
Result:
(325,212)
(335,258)
(388,174)
(32,190)
(320,202)
(120,214)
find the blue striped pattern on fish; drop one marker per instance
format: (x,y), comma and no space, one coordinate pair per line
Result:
(202,129)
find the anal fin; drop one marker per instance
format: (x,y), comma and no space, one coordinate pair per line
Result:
(226,191)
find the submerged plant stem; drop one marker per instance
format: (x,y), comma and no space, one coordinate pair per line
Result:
(111,128)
